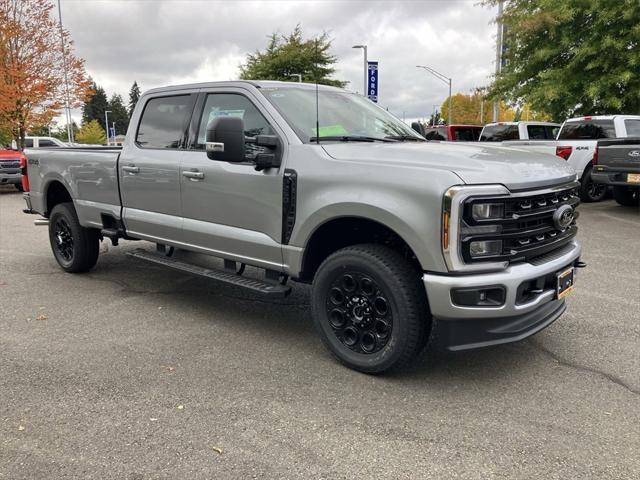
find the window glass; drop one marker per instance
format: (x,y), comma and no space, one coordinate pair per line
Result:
(537,132)
(499,133)
(234,105)
(435,134)
(633,128)
(552,132)
(466,134)
(28,143)
(163,122)
(587,130)
(47,143)
(339,114)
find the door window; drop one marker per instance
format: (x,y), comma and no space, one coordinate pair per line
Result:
(233,105)
(47,143)
(633,128)
(163,122)
(28,143)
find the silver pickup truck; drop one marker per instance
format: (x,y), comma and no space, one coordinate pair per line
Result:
(403,240)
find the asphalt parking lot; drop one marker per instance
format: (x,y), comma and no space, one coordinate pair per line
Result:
(137,372)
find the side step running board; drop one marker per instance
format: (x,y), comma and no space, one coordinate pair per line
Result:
(258,286)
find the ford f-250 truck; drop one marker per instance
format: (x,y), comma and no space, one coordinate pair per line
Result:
(402,240)
(617,163)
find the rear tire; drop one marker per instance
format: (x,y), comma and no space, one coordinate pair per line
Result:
(591,191)
(626,196)
(75,247)
(370,308)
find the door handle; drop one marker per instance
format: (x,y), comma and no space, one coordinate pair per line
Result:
(131,169)
(194,175)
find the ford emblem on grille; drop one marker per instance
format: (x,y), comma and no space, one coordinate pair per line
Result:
(563,217)
(634,153)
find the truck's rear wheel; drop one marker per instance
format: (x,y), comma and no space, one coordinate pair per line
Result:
(75,248)
(626,196)
(370,308)
(591,191)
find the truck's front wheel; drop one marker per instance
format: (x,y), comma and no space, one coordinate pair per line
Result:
(370,308)
(75,248)
(591,191)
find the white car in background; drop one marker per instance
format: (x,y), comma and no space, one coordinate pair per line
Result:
(43,142)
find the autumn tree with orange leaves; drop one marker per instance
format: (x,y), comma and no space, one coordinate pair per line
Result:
(32,82)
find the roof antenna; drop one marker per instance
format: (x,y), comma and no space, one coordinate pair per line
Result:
(317,103)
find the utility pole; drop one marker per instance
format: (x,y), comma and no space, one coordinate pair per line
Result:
(445,79)
(67,108)
(366,69)
(106,124)
(496,103)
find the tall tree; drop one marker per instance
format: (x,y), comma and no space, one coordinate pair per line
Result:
(469,108)
(574,57)
(92,133)
(95,106)
(287,56)
(32,80)
(118,114)
(134,96)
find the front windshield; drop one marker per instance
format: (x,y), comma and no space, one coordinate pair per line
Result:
(341,115)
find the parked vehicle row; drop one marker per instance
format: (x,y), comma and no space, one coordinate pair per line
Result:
(401,239)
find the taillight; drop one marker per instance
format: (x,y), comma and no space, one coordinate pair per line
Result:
(595,156)
(564,152)
(25,175)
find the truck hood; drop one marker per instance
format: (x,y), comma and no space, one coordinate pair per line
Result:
(474,164)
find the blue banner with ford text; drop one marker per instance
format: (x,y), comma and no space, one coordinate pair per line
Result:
(372,87)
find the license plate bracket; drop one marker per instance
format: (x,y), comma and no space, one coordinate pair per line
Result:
(565,281)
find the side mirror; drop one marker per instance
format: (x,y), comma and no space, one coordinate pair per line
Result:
(418,127)
(225,139)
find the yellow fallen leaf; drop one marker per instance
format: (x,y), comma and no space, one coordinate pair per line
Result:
(20,428)
(217,450)
(180,407)
(42,317)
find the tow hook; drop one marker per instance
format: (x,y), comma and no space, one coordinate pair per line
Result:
(579,264)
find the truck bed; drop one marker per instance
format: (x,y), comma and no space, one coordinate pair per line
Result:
(618,162)
(89,173)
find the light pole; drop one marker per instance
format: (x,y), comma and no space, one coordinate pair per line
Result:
(66,79)
(366,68)
(297,75)
(106,124)
(445,79)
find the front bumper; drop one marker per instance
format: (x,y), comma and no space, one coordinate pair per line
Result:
(10,178)
(462,327)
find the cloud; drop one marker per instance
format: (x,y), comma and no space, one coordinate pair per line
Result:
(160,43)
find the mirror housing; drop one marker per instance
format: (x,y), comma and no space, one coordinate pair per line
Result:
(225,139)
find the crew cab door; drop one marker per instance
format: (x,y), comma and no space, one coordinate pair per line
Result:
(230,209)
(149,168)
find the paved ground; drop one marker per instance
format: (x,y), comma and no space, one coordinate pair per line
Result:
(136,372)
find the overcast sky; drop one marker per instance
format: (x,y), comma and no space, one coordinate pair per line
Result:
(161,43)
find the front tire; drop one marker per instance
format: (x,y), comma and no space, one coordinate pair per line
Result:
(627,197)
(591,191)
(75,247)
(370,308)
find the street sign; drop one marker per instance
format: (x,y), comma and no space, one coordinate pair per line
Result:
(372,82)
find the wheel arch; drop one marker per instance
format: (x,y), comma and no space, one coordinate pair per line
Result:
(55,192)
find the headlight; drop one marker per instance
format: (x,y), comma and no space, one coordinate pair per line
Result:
(485,248)
(485,211)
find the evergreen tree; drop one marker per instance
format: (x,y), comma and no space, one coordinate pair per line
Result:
(118,114)
(289,55)
(93,109)
(134,96)
(92,133)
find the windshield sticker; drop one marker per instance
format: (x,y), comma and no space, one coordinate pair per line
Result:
(331,131)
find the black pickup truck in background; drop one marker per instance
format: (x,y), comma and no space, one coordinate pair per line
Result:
(618,165)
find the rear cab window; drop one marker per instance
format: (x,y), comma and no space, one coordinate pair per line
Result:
(164,121)
(587,130)
(633,127)
(435,133)
(466,134)
(542,132)
(499,133)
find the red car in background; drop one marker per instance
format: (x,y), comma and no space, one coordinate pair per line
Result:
(453,133)
(11,164)
(449,133)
